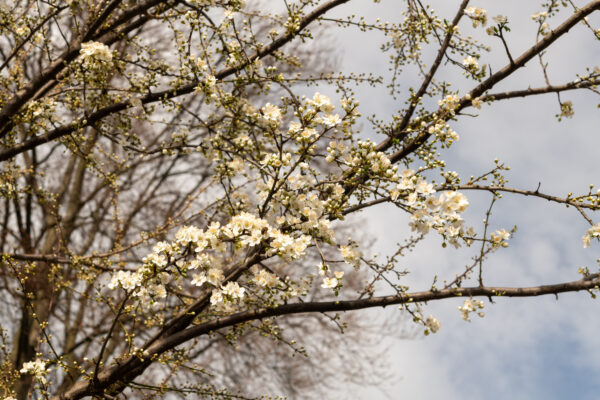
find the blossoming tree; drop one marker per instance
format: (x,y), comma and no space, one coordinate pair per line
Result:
(165,185)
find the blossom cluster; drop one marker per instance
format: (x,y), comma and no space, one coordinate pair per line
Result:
(476,102)
(478,15)
(500,237)
(126,279)
(469,306)
(264,278)
(470,63)
(306,211)
(428,211)
(432,325)
(539,16)
(271,113)
(231,292)
(203,251)
(593,232)
(364,157)
(321,102)
(314,118)
(94,52)
(443,214)
(566,109)
(351,255)
(441,129)
(449,103)
(36,368)
(331,279)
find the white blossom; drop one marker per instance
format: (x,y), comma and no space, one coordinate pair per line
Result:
(199,279)
(215,276)
(95,51)
(432,324)
(593,232)
(566,109)
(216,297)
(36,368)
(126,279)
(478,15)
(321,102)
(331,120)
(470,62)
(271,113)
(234,290)
(469,306)
(265,279)
(189,235)
(450,102)
(500,237)
(329,283)
(351,255)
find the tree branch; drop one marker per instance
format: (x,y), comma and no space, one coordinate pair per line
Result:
(14,105)
(539,90)
(134,366)
(423,88)
(533,193)
(499,76)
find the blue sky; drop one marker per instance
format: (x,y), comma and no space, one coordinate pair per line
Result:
(522,348)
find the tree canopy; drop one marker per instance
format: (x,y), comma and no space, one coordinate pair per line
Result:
(176,187)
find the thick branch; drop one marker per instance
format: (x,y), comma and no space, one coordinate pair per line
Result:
(587,283)
(128,371)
